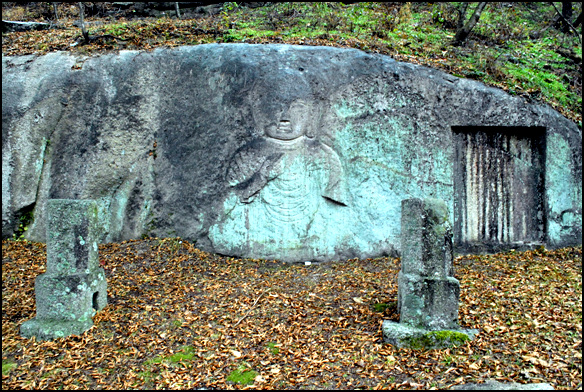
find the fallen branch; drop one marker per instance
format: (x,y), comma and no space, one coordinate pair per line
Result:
(107,36)
(252,306)
(9,26)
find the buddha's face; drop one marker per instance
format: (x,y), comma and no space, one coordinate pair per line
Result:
(289,124)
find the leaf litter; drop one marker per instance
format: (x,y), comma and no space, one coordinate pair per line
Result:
(178,317)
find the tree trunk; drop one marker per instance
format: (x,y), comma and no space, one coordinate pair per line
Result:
(56,13)
(83,29)
(463,32)
(177,10)
(566,15)
(461,16)
(559,21)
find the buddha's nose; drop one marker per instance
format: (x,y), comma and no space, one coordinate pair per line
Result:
(285,116)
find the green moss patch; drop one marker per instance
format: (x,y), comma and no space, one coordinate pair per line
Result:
(242,375)
(438,339)
(187,353)
(274,349)
(7,366)
(146,375)
(383,307)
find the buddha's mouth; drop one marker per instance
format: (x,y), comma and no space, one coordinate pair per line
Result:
(285,126)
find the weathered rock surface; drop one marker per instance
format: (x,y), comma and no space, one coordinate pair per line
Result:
(195,142)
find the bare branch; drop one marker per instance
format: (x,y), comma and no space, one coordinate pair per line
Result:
(463,32)
(252,306)
(55,11)
(567,22)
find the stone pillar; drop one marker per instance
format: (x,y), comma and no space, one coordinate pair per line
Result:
(74,286)
(428,293)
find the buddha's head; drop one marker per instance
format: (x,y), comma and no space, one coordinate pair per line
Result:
(283,107)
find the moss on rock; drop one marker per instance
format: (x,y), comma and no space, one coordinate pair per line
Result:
(438,339)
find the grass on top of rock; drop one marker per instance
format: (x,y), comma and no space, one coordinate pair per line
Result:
(514,46)
(265,324)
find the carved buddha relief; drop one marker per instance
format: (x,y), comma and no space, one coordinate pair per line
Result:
(287,154)
(289,186)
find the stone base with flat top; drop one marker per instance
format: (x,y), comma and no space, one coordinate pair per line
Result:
(428,301)
(66,304)
(403,335)
(44,329)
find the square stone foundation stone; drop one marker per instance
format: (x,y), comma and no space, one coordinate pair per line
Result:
(428,293)
(74,287)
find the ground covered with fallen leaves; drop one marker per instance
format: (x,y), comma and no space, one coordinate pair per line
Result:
(178,317)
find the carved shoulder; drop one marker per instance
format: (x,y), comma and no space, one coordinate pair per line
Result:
(336,189)
(246,161)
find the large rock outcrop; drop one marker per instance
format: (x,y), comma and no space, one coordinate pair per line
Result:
(278,151)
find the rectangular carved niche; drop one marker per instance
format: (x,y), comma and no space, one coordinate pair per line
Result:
(498,187)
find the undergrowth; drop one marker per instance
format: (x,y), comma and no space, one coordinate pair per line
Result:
(514,46)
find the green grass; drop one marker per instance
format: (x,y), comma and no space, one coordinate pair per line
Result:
(274,349)
(153,361)
(242,375)
(510,47)
(236,35)
(448,360)
(146,375)
(7,366)
(383,307)
(118,29)
(187,353)
(500,53)
(380,307)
